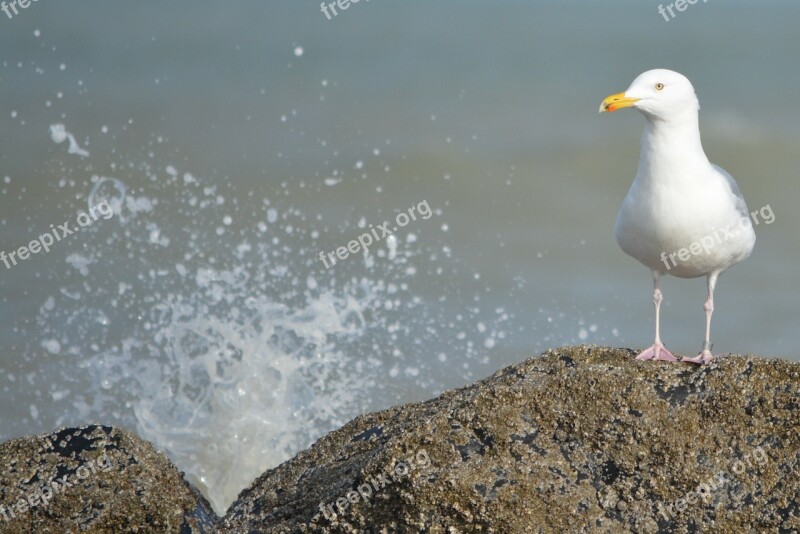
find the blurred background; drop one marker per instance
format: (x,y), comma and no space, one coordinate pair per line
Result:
(238,140)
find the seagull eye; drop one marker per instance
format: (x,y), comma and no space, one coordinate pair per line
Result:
(659,86)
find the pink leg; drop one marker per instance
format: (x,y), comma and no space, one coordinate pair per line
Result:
(705,355)
(658,351)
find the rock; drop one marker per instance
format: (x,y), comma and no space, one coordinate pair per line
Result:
(581,439)
(95,479)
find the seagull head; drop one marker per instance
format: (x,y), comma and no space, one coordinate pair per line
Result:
(658,94)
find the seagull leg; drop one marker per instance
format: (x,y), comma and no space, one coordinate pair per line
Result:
(657,351)
(705,355)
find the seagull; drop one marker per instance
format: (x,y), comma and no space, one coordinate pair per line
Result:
(683,215)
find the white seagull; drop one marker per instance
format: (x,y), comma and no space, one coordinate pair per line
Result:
(682,215)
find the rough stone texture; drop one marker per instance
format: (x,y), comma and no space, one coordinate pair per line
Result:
(581,439)
(115,482)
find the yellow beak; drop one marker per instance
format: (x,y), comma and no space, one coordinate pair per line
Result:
(617,101)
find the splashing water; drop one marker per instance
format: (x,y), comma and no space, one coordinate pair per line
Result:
(59,134)
(237,396)
(202,319)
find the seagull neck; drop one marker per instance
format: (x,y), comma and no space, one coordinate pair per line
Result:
(663,140)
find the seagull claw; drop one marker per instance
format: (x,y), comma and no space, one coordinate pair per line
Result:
(657,352)
(700,359)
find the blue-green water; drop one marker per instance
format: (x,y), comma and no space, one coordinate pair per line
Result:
(238,140)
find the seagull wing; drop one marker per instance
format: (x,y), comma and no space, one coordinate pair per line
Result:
(741,206)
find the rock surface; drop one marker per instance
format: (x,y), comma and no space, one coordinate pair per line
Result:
(95,479)
(582,439)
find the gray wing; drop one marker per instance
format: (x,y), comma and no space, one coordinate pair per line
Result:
(741,206)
